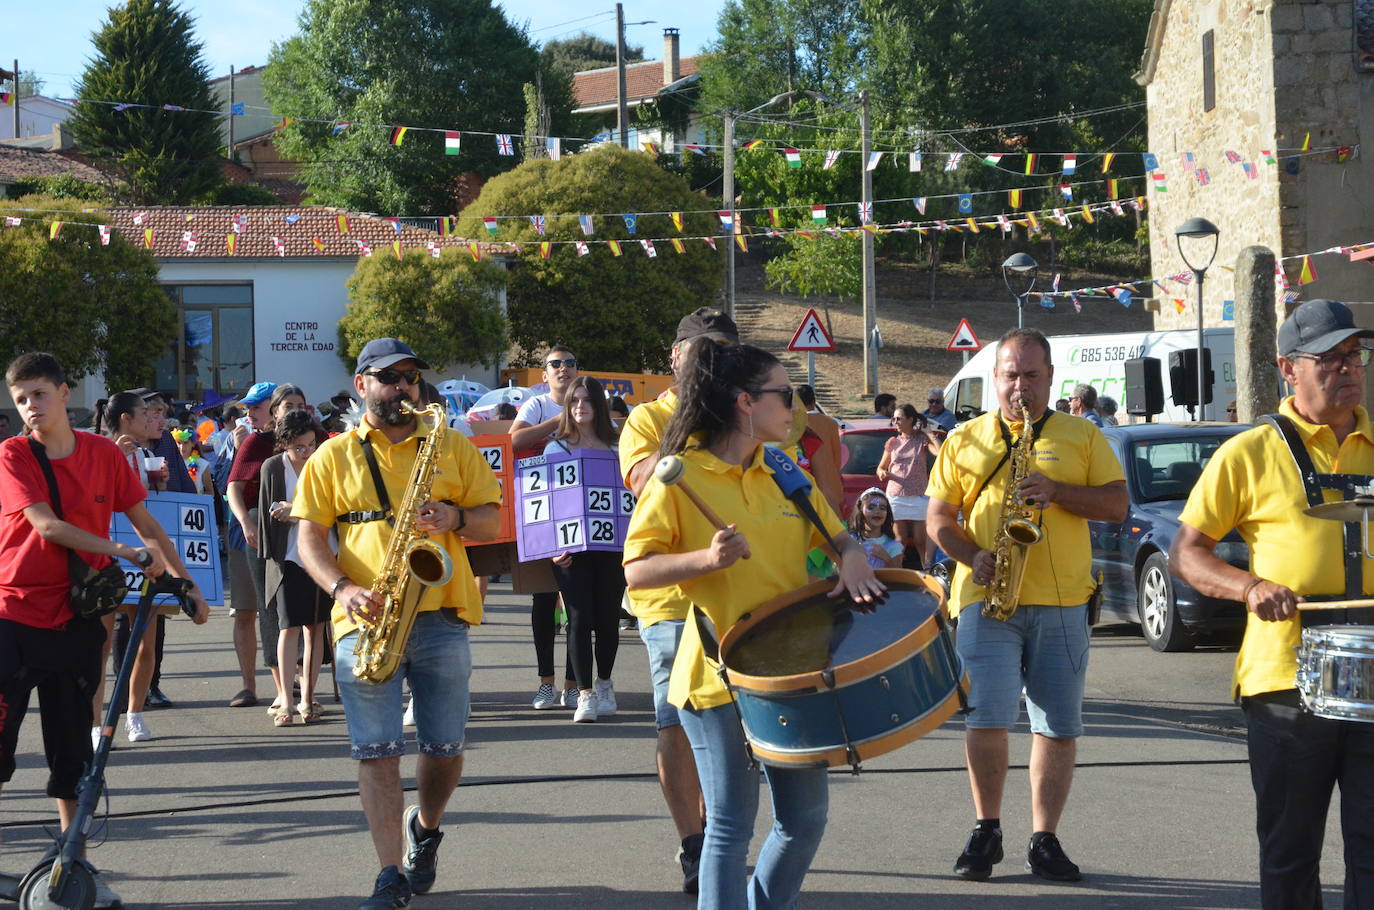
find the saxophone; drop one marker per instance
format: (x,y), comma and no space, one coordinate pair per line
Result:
(413,563)
(1016,530)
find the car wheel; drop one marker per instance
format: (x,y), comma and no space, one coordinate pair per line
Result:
(1158,613)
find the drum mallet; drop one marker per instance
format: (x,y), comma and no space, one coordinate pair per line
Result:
(669,472)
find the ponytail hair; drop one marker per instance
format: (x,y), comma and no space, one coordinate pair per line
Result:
(713,375)
(98,419)
(116,406)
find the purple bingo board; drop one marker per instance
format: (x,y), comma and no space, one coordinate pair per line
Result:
(570,502)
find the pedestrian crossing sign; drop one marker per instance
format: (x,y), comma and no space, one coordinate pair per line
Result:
(811,335)
(963,338)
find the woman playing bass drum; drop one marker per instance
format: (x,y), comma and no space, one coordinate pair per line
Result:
(734,399)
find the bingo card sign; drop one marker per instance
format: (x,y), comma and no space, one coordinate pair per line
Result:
(189,520)
(570,502)
(496,452)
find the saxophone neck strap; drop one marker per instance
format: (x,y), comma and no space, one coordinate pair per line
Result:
(1035,430)
(382,498)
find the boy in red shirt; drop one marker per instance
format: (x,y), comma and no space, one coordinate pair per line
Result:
(43,645)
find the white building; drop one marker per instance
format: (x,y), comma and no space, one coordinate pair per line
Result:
(38,116)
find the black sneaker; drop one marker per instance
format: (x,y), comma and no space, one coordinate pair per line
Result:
(981,853)
(422,855)
(1046,859)
(391,891)
(690,857)
(156,699)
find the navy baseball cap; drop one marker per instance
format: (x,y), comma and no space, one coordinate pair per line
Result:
(1318,326)
(380,353)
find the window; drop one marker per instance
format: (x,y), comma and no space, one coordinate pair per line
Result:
(213,348)
(1209,71)
(968,396)
(1168,468)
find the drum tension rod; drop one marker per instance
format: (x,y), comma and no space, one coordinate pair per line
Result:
(852,754)
(943,625)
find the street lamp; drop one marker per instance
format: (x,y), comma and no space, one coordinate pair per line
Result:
(1198,228)
(1026,269)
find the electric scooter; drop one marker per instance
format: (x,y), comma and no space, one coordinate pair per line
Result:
(63,878)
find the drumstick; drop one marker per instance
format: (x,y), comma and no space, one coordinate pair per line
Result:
(669,472)
(1337,604)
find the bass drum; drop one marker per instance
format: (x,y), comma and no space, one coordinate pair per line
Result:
(820,684)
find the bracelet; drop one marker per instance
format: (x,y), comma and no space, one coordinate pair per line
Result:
(1245,595)
(334,591)
(462,514)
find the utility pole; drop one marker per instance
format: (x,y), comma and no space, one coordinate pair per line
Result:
(16,99)
(229,151)
(622,117)
(728,198)
(869,272)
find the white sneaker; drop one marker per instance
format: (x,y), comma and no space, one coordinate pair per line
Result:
(136,729)
(95,738)
(586,708)
(546,697)
(605,698)
(409,719)
(104,897)
(570,698)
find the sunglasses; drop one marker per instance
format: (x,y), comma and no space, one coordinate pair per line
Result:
(569,362)
(394,377)
(785,392)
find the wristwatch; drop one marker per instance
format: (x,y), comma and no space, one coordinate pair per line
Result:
(143,558)
(462,514)
(334,591)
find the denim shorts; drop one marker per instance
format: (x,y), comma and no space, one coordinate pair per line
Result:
(661,641)
(1041,650)
(438,665)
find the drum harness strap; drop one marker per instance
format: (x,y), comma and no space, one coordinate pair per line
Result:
(1349,485)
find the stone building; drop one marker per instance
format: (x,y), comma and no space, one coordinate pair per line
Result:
(1255,76)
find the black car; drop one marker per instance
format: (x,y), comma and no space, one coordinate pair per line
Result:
(1162,461)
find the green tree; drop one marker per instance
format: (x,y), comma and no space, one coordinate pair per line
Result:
(616,313)
(97,308)
(146,53)
(584,51)
(429,64)
(448,309)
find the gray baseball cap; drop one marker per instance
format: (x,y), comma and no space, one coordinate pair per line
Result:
(1318,326)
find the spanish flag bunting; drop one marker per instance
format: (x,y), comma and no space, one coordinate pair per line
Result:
(148,238)
(1308,274)
(342,222)
(741,242)
(396,248)
(1113,188)
(54,229)
(972,225)
(753,144)
(871,228)
(545,248)
(230,241)
(1107,160)
(793,157)
(1088,215)
(1179,305)
(677,244)
(475,250)
(1031,160)
(1030,218)
(1307,143)
(319,244)
(1015,199)
(398,135)
(490,224)
(677,220)
(615,247)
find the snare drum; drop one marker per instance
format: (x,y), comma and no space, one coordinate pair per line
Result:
(1336,671)
(820,684)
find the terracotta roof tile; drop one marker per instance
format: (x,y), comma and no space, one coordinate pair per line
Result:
(213,224)
(592,88)
(23,164)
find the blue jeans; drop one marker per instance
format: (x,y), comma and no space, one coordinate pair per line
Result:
(731,787)
(661,640)
(438,664)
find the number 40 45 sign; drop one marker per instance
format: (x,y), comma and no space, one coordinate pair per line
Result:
(569,502)
(189,520)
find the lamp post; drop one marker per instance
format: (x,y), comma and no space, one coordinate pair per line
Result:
(1026,269)
(1196,229)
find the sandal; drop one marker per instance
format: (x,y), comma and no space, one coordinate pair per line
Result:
(282,718)
(309,713)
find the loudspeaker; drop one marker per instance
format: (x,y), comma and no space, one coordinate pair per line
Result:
(1144,387)
(1183,376)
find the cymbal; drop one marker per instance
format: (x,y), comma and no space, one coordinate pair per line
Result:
(1357,509)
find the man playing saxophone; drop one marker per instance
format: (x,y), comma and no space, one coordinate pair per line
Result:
(358,483)
(1069,477)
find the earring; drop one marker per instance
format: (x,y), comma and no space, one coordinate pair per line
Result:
(751,427)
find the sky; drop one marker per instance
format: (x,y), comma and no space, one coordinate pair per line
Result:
(53,37)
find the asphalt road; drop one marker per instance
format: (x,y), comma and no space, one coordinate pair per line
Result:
(220,809)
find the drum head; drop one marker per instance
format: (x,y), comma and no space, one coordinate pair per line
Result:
(817,632)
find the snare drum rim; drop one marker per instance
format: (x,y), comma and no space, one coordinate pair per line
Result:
(845,674)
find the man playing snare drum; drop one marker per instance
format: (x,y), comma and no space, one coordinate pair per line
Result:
(1252,484)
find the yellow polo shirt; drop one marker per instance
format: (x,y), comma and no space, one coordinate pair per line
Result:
(336,481)
(640,439)
(1252,485)
(1069,449)
(666,521)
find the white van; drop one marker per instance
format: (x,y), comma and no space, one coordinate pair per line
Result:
(1099,361)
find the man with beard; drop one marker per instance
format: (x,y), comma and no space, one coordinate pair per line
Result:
(339,488)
